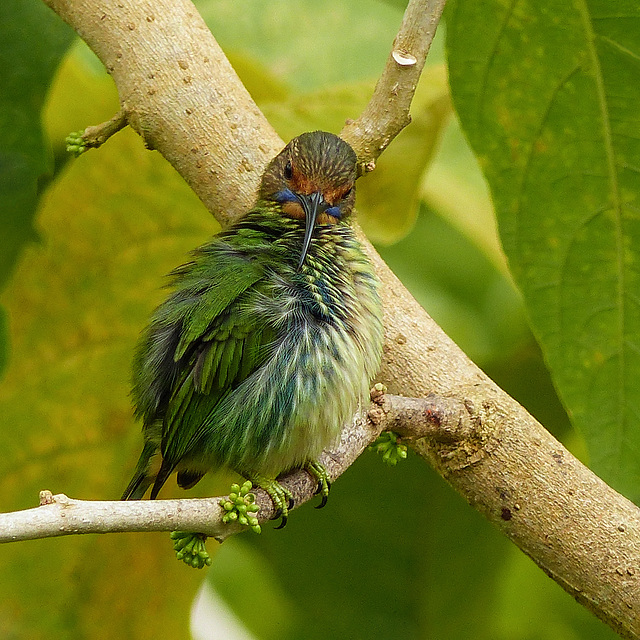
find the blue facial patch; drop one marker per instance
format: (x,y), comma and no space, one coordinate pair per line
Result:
(286,195)
(334,211)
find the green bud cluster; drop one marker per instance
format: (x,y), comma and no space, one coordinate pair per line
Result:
(389,446)
(190,548)
(75,143)
(240,507)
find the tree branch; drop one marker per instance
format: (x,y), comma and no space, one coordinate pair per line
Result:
(59,515)
(93,137)
(181,95)
(388,110)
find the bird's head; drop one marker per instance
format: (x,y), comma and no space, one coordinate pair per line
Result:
(313,179)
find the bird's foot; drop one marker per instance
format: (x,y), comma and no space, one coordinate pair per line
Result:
(320,474)
(240,506)
(281,497)
(190,548)
(389,446)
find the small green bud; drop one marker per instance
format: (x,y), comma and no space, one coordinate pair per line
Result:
(240,505)
(75,143)
(389,446)
(190,548)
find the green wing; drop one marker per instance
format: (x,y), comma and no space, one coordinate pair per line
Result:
(201,343)
(230,351)
(205,289)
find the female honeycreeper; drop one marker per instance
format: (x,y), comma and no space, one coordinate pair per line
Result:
(270,338)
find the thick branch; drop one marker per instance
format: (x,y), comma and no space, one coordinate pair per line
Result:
(575,527)
(180,93)
(182,96)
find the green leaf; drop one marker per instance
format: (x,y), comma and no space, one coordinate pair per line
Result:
(454,187)
(113,223)
(250,586)
(548,94)
(306,43)
(389,198)
(32,41)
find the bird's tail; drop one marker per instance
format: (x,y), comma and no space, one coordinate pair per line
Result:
(141,480)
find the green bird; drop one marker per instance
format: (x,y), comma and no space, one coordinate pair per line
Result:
(270,338)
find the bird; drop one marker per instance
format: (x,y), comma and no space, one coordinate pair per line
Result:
(269,339)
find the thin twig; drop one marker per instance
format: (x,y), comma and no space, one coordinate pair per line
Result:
(59,515)
(414,418)
(98,134)
(388,110)
(95,136)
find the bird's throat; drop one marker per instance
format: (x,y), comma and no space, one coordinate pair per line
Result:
(294,210)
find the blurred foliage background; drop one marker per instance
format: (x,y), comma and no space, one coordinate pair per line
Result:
(85,245)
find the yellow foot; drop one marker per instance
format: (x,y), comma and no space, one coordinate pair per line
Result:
(320,473)
(280,496)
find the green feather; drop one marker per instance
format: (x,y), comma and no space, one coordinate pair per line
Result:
(231,280)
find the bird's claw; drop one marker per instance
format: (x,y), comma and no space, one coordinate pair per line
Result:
(324,485)
(281,497)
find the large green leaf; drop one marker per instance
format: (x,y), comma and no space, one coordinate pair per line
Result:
(32,41)
(548,94)
(112,224)
(307,43)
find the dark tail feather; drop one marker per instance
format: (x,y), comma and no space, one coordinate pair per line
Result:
(165,471)
(141,479)
(187,479)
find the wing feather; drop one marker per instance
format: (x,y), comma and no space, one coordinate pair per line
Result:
(236,346)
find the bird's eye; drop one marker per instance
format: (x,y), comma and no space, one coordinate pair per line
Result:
(288,170)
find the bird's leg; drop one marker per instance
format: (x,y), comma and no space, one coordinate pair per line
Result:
(320,473)
(280,496)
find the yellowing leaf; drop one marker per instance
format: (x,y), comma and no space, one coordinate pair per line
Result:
(112,225)
(388,199)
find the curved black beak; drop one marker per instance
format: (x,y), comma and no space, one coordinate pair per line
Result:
(313,204)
